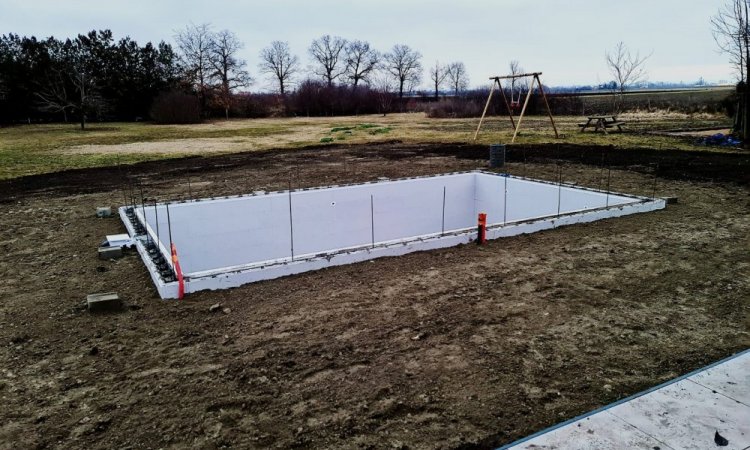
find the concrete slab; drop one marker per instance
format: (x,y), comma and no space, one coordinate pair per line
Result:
(684,413)
(600,431)
(731,379)
(687,415)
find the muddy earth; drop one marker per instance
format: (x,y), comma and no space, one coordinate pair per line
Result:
(466,347)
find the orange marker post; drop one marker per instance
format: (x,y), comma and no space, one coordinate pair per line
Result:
(178,272)
(482,229)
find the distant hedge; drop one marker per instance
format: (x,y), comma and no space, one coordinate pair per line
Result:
(176,107)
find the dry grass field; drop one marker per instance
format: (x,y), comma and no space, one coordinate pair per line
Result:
(28,150)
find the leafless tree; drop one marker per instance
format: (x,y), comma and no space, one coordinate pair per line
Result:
(405,66)
(438,73)
(53,95)
(361,60)
(54,91)
(328,54)
(515,69)
(278,61)
(195,43)
(457,77)
(228,70)
(731,31)
(384,84)
(626,68)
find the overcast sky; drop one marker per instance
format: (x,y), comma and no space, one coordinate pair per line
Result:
(564,39)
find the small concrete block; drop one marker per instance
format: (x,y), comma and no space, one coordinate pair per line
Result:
(671,200)
(103,302)
(104,211)
(110,252)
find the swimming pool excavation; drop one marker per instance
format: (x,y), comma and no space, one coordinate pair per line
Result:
(230,241)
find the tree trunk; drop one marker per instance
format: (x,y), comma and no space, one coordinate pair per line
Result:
(745,96)
(83,120)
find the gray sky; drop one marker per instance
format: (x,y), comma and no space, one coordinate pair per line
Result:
(564,39)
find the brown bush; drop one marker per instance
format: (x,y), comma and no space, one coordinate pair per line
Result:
(176,107)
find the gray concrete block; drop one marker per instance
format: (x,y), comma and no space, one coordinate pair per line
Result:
(103,302)
(104,211)
(110,252)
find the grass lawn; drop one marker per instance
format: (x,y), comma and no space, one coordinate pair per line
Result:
(35,149)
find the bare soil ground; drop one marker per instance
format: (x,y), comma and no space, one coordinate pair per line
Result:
(467,347)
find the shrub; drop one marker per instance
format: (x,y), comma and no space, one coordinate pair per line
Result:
(454,108)
(176,107)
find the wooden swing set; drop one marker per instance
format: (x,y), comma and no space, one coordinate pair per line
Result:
(516,102)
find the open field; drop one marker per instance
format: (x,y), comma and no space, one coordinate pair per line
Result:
(467,347)
(697,99)
(27,150)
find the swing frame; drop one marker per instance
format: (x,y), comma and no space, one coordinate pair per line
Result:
(516,126)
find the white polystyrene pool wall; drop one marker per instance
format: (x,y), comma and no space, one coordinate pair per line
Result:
(231,241)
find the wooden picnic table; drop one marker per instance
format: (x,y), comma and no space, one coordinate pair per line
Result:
(602,123)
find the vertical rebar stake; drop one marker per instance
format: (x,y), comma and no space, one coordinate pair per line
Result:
(291,222)
(169,227)
(653,192)
(443,226)
(372,220)
(609,176)
(158,238)
(143,208)
(505,200)
(559,186)
(131,191)
(190,189)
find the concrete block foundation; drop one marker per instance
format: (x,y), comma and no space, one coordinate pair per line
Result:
(229,241)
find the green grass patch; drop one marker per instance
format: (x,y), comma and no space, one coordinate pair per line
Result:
(380,130)
(337,129)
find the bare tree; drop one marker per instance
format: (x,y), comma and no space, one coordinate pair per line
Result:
(195,43)
(405,66)
(53,95)
(361,60)
(457,77)
(384,84)
(515,69)
(731,33)
(438,73)
(228,70)
(278,61)
(731,30)
(627,69)
(327,51)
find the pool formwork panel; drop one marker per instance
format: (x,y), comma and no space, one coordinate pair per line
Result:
(229,241)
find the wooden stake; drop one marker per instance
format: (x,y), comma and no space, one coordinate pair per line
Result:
(507,106)
(549,111)
(523,110)
(489,99)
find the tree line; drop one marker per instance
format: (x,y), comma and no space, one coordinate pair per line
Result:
(95,77)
